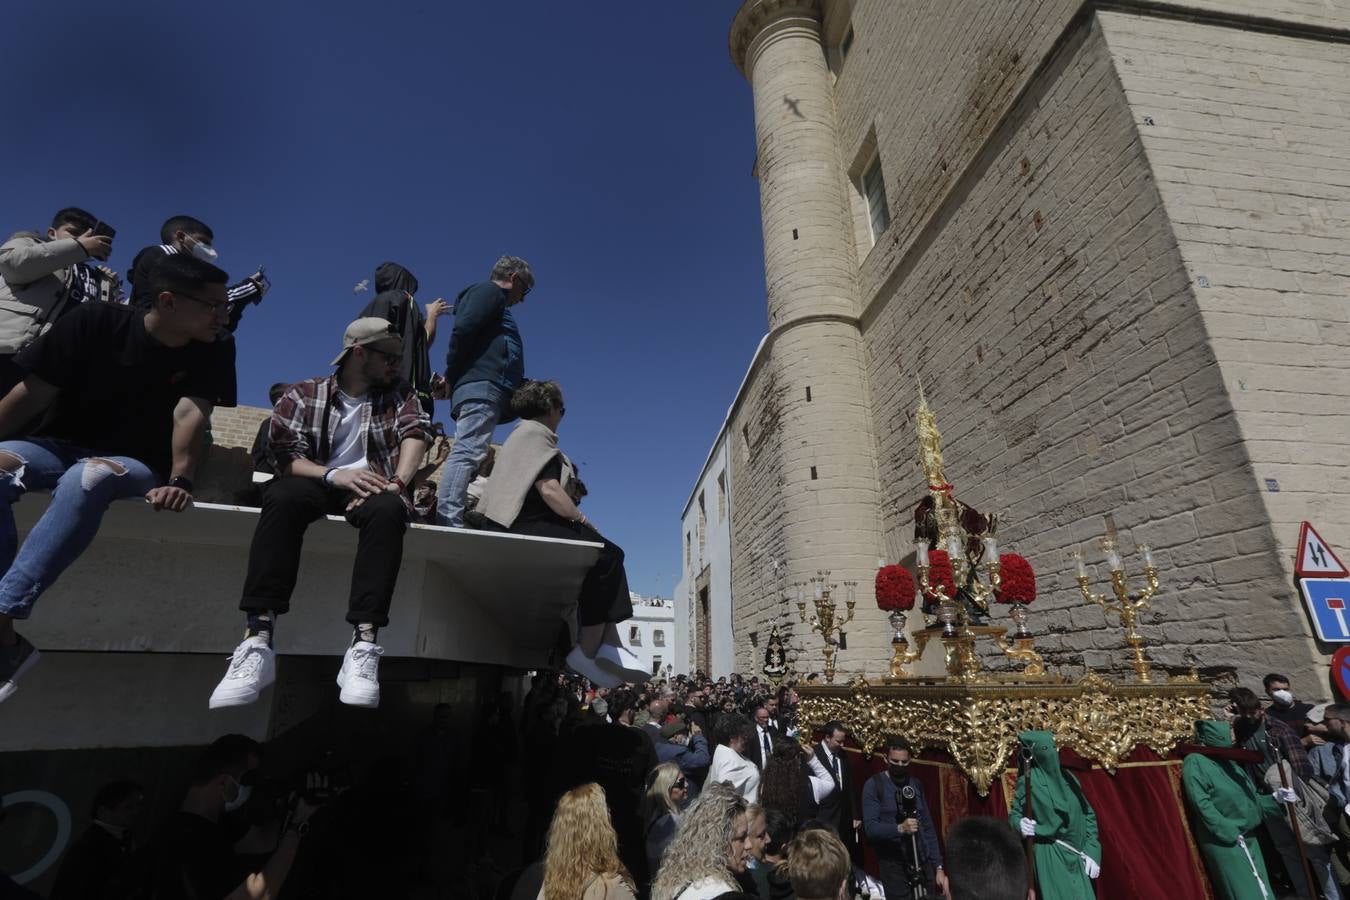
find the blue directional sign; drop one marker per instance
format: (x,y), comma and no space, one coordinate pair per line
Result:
(1328,602)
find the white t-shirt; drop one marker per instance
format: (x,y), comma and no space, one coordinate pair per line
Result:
(348,442)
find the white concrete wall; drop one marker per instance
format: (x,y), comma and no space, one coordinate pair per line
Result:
(715,556)
(653,617)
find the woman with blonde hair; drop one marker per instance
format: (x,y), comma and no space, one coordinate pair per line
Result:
(709,850)
(581,858)
(667,791)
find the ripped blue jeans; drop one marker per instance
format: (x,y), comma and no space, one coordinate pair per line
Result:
(82,486)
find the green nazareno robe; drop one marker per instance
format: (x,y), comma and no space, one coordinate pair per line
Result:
(1227,806)
(1062,813)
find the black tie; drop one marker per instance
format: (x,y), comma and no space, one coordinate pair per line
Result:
(767,751)
(834,760)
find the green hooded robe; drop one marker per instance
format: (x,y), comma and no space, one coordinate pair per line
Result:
(1062,813)
(1226,805)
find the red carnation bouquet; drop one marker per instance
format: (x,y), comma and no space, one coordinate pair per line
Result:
(1017,580)
(941,574)
(895,589)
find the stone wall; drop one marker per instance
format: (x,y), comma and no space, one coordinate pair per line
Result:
(1250,144)
(754,453)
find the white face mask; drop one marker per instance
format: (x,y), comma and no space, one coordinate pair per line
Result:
(1284,698)
(205,251)
(240,796)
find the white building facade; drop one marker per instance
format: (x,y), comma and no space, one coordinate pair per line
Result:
(650,634)
(703,607)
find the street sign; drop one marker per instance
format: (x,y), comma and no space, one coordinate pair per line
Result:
(1340,671)
(1315,559)
(1328,602)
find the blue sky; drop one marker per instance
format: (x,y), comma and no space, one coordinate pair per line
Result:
(609,143)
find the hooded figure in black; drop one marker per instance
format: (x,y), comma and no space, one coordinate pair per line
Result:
(395,300)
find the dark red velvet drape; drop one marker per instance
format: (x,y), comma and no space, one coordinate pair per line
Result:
(1147,847)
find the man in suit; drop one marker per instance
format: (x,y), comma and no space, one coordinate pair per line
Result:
(765,735)
(834,787)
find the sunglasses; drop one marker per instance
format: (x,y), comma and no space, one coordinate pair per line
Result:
(392,359)
(680,783)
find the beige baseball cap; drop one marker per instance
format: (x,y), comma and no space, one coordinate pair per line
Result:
(364,331)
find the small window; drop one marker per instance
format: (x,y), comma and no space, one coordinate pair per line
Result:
(846,44)
(688,549)
(658,638)
(634,636)
(721,496)
(874,189)
(656,665)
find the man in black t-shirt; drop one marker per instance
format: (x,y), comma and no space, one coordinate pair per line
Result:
(192,857)
(124,396)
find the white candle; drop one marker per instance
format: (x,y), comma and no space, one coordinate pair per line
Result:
(953,546)
(1148,555)
(820,589)
(990,550)
(1113,558)
(1082,566)
(921,553)
(801,598)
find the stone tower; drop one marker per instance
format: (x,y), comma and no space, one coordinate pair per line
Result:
(827,484)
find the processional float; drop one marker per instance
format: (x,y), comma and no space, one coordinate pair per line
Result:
(970,712)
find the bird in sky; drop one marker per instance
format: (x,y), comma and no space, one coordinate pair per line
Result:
(362,285)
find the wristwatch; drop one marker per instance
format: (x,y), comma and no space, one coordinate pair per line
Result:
(178,481)
(300,828)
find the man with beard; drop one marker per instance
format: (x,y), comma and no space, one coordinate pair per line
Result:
(900,828)
(346,444)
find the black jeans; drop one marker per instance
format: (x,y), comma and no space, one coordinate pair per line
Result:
(290,503)
(604,591)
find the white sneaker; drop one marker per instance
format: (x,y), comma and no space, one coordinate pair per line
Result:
(586,667)
(359,677)
(622,663)
(252,668)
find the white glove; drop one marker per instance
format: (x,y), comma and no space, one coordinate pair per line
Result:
(1090,866)
(1027,827)
(1242,841)
(1286,795)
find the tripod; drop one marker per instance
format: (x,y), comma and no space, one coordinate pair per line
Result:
(907,807)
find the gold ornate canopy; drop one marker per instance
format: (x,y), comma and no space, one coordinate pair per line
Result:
(978,724)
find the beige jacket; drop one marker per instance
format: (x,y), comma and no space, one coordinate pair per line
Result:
(35,276)
(606,887)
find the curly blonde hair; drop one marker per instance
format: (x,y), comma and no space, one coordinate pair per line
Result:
(699,848)
(581,844)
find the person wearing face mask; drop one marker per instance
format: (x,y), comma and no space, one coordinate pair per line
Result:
(1254,730)
(192,857)
(1283,706)
(184,234)
(898,825)
(44,277)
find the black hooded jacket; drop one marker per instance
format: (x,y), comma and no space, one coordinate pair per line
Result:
(394,300)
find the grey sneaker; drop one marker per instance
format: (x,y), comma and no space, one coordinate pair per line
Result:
(14,661)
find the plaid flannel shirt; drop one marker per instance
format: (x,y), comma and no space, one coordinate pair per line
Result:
(389,417)
(1291,749)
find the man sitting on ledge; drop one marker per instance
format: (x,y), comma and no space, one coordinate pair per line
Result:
(127,395)
(347,444)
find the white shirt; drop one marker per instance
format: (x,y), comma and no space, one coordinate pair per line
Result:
(736,770)
(822,779)
(348,441)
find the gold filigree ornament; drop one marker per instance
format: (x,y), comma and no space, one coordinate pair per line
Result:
(977,723)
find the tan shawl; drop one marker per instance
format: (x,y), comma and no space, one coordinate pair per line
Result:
(529,448)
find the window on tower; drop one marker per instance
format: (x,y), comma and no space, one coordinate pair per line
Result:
(874,190)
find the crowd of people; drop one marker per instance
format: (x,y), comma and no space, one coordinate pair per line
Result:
(107,394)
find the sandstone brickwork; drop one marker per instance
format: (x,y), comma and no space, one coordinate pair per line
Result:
(1059,180)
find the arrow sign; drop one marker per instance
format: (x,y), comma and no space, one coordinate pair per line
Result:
(1315,558)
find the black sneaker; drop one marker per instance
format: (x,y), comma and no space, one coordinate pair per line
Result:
(14,661)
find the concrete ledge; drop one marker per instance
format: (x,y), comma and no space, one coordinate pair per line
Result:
(170,583)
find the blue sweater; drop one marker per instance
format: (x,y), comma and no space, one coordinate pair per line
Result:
(879,800)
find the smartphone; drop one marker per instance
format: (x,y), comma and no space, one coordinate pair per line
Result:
(103,229)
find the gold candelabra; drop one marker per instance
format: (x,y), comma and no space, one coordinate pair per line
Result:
(825,621)
(1127,607)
